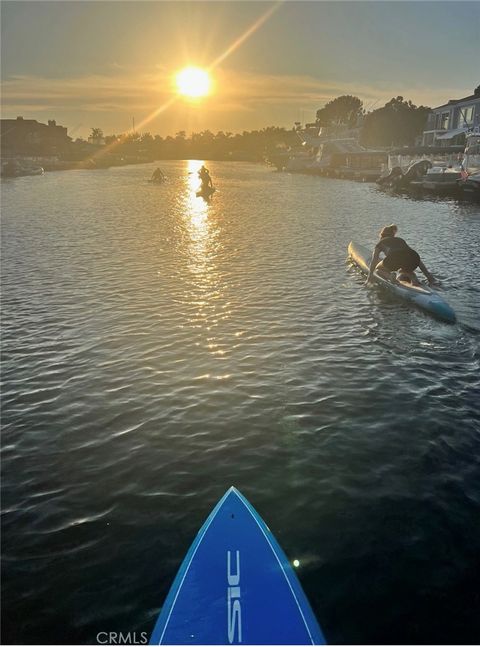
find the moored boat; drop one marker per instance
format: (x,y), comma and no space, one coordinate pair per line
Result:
(470,187)
(469,183)
(15,168)
(422,167)
(440,179)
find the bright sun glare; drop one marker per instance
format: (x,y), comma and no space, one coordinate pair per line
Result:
(193,82)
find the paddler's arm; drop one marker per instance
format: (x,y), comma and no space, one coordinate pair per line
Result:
(430,278)
(373,264)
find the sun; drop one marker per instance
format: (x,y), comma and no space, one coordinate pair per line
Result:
(193,82)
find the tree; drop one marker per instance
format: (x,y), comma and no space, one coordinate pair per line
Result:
(111,139)
(342,111)
(476,92)
(97,133)
(250,145)
(146,139)
(398,123)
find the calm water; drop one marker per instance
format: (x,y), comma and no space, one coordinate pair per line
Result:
(158,349)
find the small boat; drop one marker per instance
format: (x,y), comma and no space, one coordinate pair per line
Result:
(236,586)
(470,182)
(429,168)
(399,179)
(470,187)
(16,169)
(421,296)
(440,179)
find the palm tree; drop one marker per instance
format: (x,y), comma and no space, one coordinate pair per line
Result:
(97,133)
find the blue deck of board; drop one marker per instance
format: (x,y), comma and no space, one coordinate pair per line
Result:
(236,586)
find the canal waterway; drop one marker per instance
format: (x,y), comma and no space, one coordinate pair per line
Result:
(158,348)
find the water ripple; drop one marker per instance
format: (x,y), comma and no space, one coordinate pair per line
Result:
(158,349)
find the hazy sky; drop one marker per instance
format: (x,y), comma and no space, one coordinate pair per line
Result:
(98,64)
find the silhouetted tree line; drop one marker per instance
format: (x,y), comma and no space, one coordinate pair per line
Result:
(249,146)
(342,111)
(398,123)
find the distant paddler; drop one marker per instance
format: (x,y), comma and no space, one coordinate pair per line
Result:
(206,180)
(400,260)
(158,175)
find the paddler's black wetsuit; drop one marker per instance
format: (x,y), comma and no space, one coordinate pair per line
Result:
(398,255)
(206,180)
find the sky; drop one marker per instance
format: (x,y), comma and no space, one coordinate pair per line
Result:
(102,64)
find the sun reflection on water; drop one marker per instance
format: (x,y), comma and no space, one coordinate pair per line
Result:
(203,247)
(198,225)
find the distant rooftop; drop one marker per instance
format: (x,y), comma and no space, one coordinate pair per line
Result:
(22,121)
(453,101)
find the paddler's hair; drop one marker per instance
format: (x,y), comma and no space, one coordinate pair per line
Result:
(389,230)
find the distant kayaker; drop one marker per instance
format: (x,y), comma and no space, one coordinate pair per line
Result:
(204,175)
(158,175)
(399,257)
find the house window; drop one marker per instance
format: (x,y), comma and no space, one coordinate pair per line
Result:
(456,118)
(444,121)
(438,121)
(428,139)
(466,116)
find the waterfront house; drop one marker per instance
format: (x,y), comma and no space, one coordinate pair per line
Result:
(27,137)
(448,123)
(97,140)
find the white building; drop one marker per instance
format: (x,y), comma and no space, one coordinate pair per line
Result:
(447,124)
